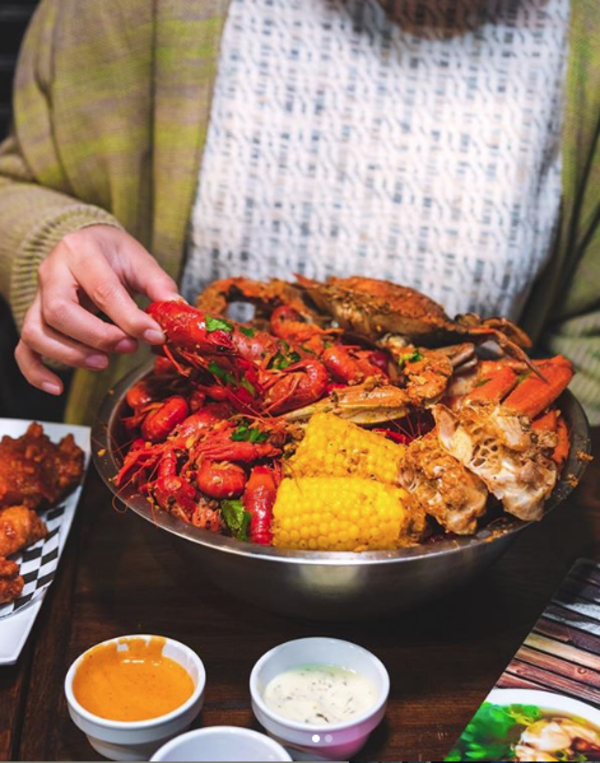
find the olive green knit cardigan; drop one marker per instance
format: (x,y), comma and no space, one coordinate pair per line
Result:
(111,107)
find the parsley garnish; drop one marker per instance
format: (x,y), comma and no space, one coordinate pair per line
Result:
(220,372)
(248,386)
(216,324)
(412,357)
(245,433)
(281,362)
(493,731)
(481,382)
(236,518)
(247,331)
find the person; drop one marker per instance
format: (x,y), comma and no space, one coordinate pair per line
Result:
(450,145)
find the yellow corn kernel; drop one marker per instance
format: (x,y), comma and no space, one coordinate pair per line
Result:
(367,515)
(338,448)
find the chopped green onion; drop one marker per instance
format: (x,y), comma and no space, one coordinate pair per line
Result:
(220,373)
(217,324)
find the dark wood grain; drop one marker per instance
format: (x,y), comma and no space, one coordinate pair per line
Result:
(553,681)
(570,634)
(120,575)
(575,673)
(567,651)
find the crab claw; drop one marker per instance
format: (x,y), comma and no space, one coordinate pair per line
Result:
(368,403)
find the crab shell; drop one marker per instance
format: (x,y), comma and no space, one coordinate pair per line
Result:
(372,308)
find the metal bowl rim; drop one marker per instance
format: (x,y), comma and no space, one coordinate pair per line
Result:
(105,460)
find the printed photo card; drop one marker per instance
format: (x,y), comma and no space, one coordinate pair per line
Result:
(546,705)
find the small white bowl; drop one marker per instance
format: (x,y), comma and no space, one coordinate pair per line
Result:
(138,740)
(222,743)
(304,741)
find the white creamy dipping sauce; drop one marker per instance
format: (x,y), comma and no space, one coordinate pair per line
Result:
(320,694)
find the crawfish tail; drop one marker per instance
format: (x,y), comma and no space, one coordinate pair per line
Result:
(259,499)
(222,448)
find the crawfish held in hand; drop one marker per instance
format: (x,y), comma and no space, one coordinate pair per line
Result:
(192,333)
(186,329)
(228,351)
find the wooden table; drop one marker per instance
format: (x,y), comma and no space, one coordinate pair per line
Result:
(119,575)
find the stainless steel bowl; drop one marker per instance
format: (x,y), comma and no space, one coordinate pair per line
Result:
(320,584)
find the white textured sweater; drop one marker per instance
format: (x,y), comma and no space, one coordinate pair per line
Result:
(423,147)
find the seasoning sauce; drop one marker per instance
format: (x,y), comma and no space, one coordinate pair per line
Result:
(320,694)
(131,684)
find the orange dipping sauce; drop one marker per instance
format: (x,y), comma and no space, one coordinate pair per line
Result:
(131,684)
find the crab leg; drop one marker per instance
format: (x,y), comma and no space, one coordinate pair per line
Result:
(533,395)
(494,388)
(554,422)
(362,404)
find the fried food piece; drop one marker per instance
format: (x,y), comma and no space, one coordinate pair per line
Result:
(34,471)
(19,527)
(11,583)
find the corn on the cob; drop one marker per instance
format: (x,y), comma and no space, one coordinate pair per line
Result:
(344,514)
(338,448)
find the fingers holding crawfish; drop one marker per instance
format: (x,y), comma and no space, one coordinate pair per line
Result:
(189,332)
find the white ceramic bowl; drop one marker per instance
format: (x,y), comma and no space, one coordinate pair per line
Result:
(305,741)
(222,743)
(138,740)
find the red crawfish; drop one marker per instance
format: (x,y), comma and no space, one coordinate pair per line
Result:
(259,499)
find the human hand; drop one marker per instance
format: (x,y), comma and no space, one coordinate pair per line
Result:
(94,269)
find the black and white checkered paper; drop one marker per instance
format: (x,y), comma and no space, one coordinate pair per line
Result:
(38,563)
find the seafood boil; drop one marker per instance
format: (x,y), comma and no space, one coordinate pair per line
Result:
(347,415)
